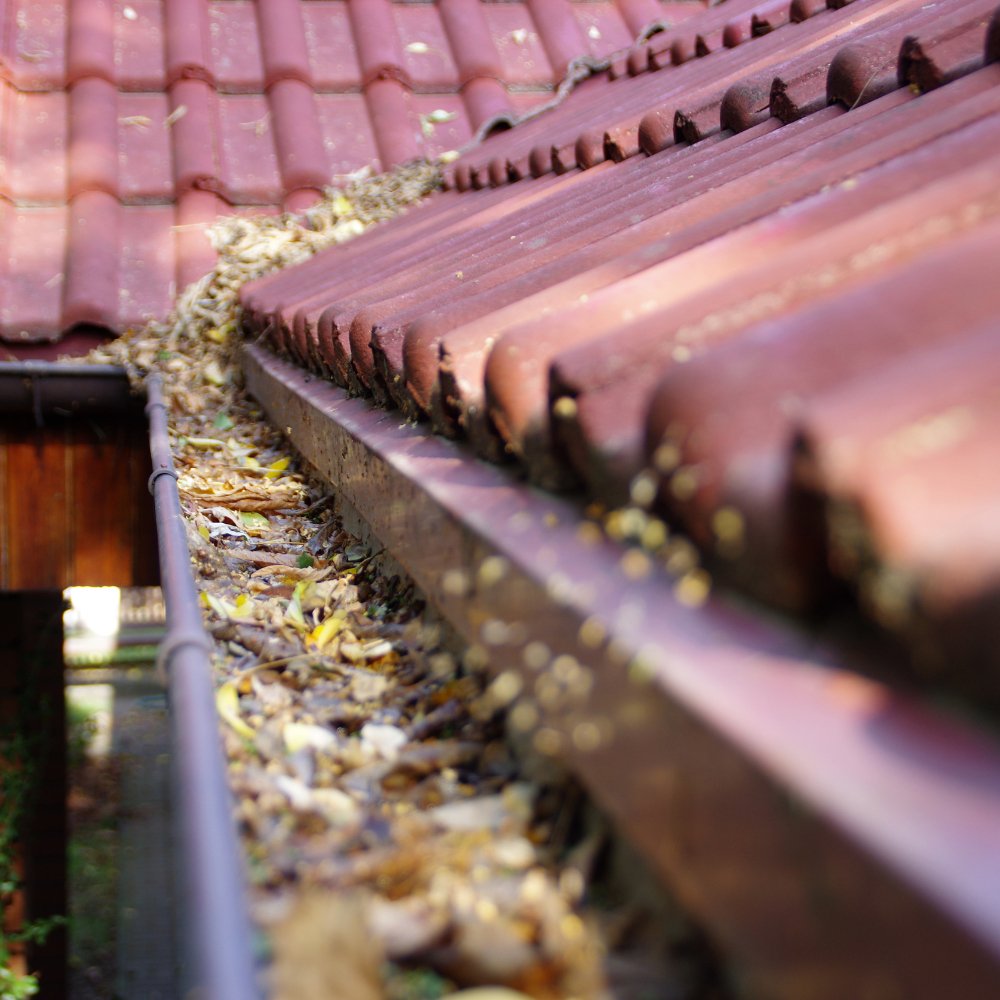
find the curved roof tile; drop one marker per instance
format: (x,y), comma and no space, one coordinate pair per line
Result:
(119,110)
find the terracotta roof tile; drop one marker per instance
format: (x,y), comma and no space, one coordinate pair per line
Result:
(237,64)
(34,44)
(228,105)
(815,214)
(139,56)
(34,131)
(904,456)
(427,57)
(35,245)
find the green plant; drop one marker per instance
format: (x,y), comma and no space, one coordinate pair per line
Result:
(15,987)
(21,746)
(16,771)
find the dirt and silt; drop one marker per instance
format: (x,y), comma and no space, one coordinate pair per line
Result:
(406,835)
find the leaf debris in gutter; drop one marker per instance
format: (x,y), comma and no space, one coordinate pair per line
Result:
(393,842)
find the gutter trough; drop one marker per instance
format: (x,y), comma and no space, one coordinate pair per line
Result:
(216,926)
(218,960)
(835,836)
(42,387)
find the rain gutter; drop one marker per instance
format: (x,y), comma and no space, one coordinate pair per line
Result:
(836,836)
(50,387)
(216,925)
(213,912)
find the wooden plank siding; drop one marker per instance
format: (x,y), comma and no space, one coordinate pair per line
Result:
(74,506)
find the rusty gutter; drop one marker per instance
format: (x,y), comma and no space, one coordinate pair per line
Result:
(836,836)
(64,389)
(216,927)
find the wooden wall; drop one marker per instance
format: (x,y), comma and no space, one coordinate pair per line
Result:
(74,506)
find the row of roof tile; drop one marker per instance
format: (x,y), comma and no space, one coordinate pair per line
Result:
(330,45)
(96,262)
(666,90)
(141,109)
(718,316)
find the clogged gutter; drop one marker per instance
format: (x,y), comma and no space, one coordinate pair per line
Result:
(394,846)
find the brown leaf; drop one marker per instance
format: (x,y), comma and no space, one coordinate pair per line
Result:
(323,949)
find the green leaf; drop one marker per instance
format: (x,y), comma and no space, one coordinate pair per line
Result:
(254,521)
(305,561)
(222,421)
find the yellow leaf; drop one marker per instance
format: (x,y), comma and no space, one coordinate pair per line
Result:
(341,205)
(213,374)
(227,703)
(204,532)
(275,469)
(221,607)
(206,443)
(322,634)
(252,463)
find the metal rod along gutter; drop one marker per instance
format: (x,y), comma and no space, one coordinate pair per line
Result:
(835,836)
(215,920)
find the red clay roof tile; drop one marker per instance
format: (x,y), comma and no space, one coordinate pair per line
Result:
(145,171)
(140,59)
(427,57)
(237,63)
(283,43)
(35,244)
(34,130)
(905,457)
(90,40)
(186,41)
(149,102)
(695,308)
(332,60)
(33,53)
(731,413)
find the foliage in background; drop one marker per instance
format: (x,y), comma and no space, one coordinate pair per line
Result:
(23,746)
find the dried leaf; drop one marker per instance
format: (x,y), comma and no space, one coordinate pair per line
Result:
(358,652)
(368,687)
(321,636)
(254,522)
(227,703)
(406,927)
(246,495)
(212,373)
(384,741)
(324,949)
(487,993)
(206,444)
(300,736)
(175,116)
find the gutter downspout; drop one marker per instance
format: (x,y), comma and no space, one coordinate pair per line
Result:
(217,932)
